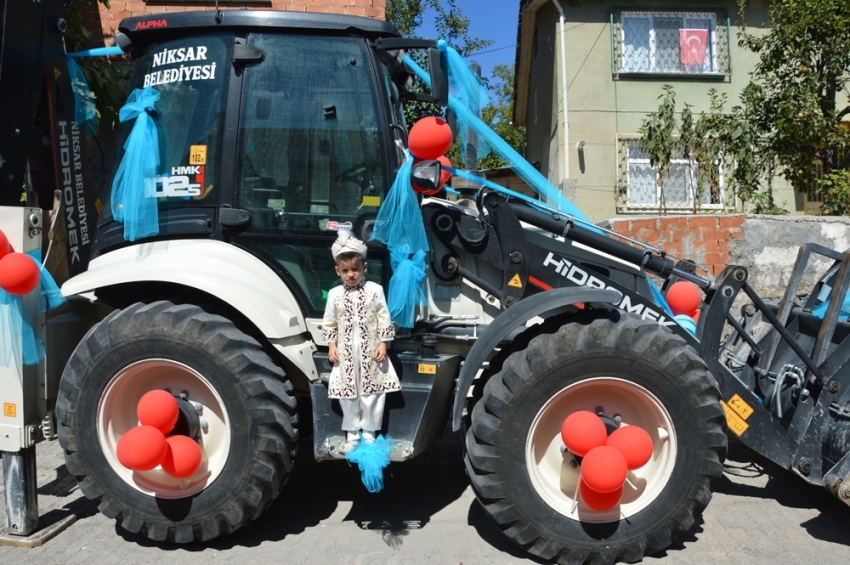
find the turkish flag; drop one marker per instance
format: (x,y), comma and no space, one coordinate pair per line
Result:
(693,43)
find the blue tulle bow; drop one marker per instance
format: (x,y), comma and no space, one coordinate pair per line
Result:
(134,186)
(371,458)
(405,291)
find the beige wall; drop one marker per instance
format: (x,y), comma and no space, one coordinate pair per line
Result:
(602,107)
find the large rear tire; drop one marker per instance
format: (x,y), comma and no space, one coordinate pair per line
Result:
(630,368)
(248,420)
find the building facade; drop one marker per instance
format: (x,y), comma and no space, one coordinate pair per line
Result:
(616,59)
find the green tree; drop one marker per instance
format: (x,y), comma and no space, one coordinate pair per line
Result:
(793,99)
(659,139)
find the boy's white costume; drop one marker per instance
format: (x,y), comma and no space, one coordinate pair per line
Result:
(357,320)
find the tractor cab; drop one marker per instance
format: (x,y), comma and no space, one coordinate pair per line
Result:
(275,130)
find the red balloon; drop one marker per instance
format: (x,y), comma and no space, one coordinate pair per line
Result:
(158,408)
(444,174)
(142,448)
(19,273)
(683,297)
(634,443)
(183,457)
(598,500)
(582,431)
(695,316)
(5,248)
(604,469)
(429,138)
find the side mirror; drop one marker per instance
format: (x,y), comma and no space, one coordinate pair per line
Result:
(439,68)
(426,175)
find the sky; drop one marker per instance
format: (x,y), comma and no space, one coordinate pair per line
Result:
(489,19)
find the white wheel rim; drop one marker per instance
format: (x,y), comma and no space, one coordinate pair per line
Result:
(116,415)
(551,472)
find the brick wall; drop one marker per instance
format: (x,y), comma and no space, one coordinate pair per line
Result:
(108,19)
(706,240)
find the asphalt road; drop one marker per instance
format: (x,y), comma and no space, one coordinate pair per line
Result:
(427,514)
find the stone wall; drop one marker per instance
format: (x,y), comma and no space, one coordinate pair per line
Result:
(766,245)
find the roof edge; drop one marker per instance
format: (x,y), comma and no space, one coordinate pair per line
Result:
(525,39)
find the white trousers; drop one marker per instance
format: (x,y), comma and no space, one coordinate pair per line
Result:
(364,412)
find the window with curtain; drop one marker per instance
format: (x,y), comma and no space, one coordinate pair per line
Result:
(639,183)
(655,42)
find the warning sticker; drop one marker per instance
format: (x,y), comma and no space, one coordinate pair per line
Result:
(197,154)
(734,421)
(372,201)
(515,282)
(743,409)
(9,409)
(427,368)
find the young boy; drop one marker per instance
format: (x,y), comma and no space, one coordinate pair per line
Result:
(357,327)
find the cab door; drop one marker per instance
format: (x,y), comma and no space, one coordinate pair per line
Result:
(313,156)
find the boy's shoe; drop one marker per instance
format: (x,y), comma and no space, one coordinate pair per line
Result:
(351,442)
(369,437)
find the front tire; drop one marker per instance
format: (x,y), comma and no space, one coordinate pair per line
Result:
(631,368)
(249,425)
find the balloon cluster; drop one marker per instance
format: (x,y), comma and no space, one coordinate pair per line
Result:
(429,138)
(147,446)
(19,273)
(606,459)
(684,300)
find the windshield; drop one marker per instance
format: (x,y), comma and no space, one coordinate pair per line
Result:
(191,77)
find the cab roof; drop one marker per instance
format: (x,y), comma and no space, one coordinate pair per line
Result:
(153,27)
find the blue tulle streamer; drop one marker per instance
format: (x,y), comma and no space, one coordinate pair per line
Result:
(85,114)
(525,170)
(19,343)
(134,187)
(406,285)
(464,99)
(399,220)
(85,111)
(371,458)
(820,309)
(399,225)
(467,90)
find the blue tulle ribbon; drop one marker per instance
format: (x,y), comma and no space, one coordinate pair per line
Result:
(405,291)
(399,220)
(85,111)
(85,114)
(371,458)
(460,105)
(134,187)
(820,309)
(466,89)
(399,225)
(19,343)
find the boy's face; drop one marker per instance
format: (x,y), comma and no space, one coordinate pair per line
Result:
(351,271)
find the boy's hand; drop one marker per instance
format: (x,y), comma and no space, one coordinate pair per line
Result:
(381,352)
(333,355)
